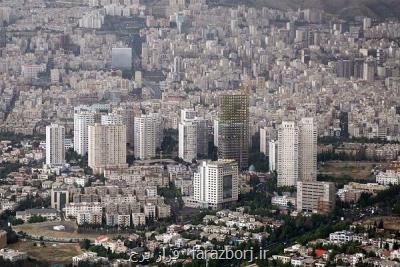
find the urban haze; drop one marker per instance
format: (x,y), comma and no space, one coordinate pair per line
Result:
(191,133)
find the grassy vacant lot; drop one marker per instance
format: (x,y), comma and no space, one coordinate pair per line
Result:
(349,170)
(46,229)
(389,223)
(50,253)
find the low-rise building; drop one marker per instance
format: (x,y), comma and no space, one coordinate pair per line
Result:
(345,236)
(318,197)
(283,201)
(3,239)
(150,210)
(72,209)
(90,257)
(85,217)
(124,220)
(48,214)
(389,177)
(12,255)
(138,219)
(163,211)
(352,191)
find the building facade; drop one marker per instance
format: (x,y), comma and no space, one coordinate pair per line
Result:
(55,149)
(59,198)
(107,147)
(307,150)
(193,136)
(233,128)
(288,154)
(317,197)
(216,183)
(273,155)
(297,152)
(82,120)
(84,116)
(148,135)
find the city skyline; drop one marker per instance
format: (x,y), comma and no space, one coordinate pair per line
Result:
(200,133)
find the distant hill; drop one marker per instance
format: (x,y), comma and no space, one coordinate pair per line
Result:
(344,8)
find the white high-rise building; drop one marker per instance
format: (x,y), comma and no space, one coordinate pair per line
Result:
(288,154)
(122,115)
(297,152)
(193,135)
(307,150)
(83,117)
(187,140)
(272,155)
(367,23)
(369,69)
(112,118)
(107,147)
(139,78)
(55,150)
(216,183)
(215,125)
(264,146)
(148,135)
(267,134)
(81,122)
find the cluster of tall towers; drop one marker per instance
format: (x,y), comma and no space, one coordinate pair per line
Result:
(231,131)
(216,183)
(103,135)
(293,155)
(296,152)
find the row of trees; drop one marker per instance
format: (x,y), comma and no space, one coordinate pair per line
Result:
(22,263)
(326,140)
(17,138)
(8,167)
(389,198)
(331,155)
(71,156)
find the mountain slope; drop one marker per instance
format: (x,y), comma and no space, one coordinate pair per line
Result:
(345,8)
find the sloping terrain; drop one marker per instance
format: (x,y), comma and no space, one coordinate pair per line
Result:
(345,8)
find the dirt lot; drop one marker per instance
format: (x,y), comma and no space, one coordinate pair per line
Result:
(51,253)
(354,169)
(46,229)
(389,223)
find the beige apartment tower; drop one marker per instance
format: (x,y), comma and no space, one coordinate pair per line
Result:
(148,135)
(107,147)
(307,150)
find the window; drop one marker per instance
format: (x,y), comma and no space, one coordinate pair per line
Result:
(227,186)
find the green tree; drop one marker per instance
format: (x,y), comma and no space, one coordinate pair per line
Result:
(15,221)
(84,244)
(36,219)
(396,208)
